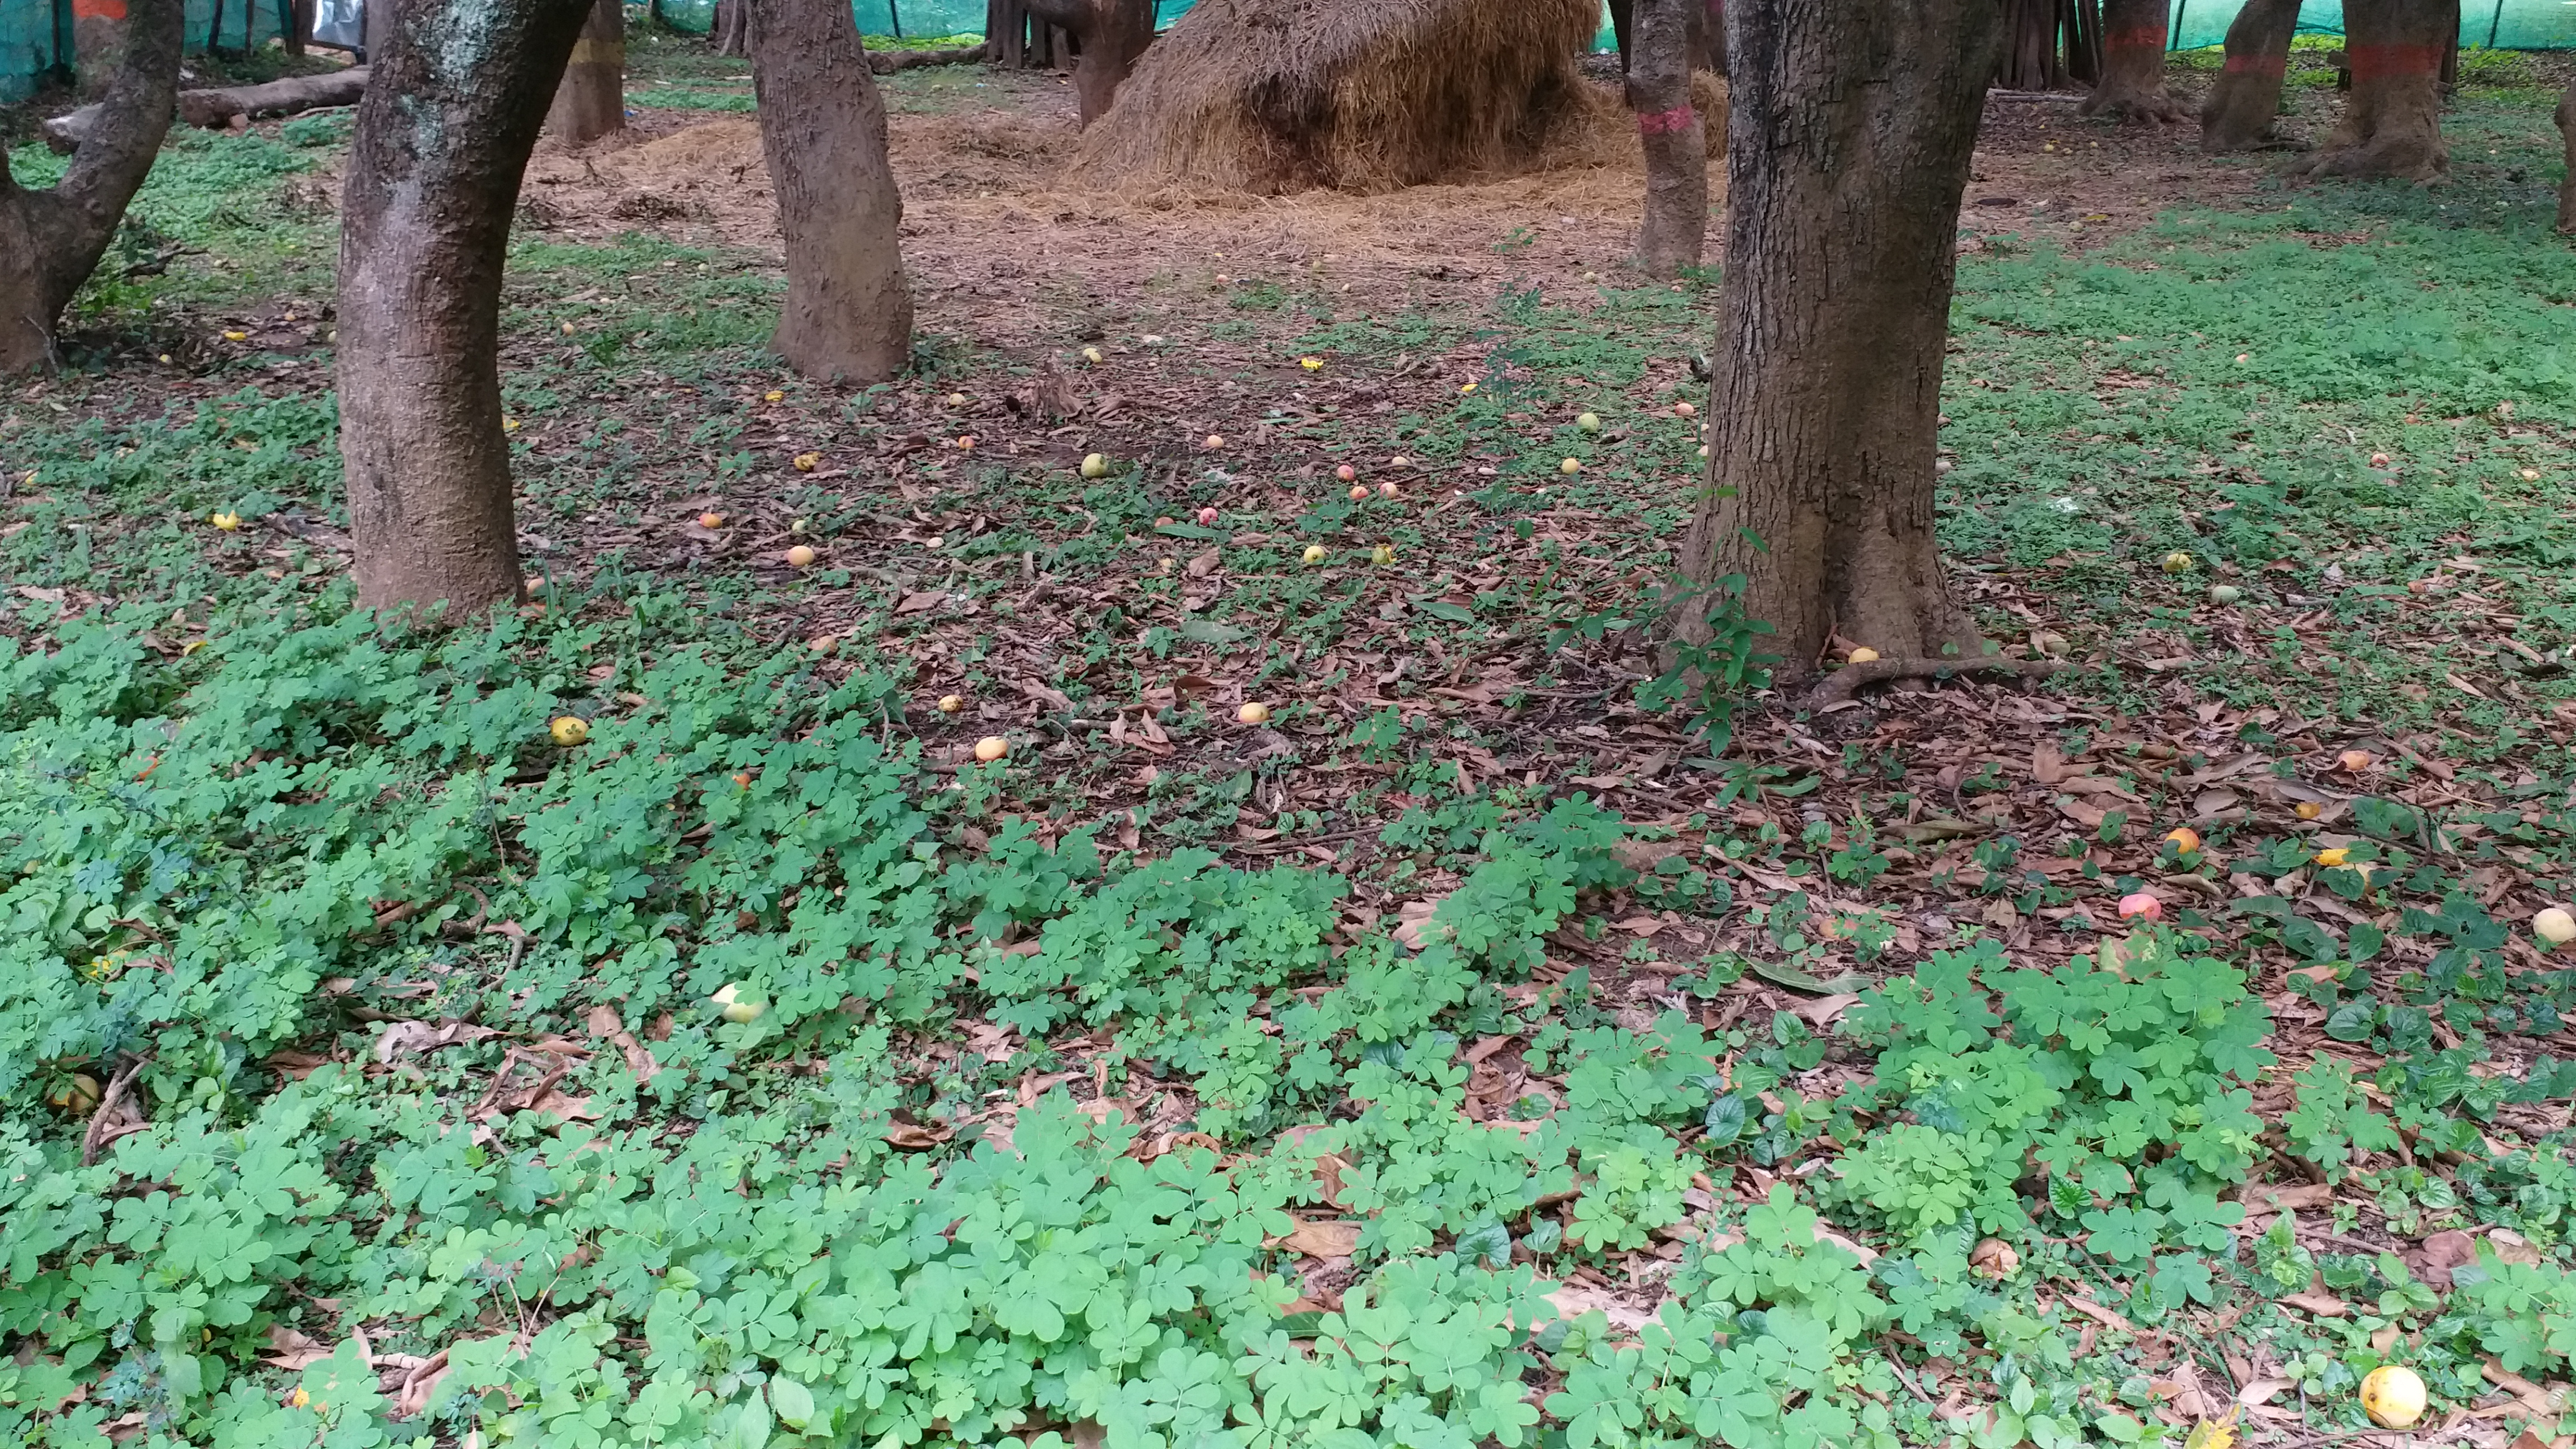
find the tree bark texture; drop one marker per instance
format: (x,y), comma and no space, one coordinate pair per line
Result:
(1108,35)
(51,240)
(2048,42)
(456,96)
(1675,226)
(2392,119)
(2242,108)
(2132,84)
(2566,119)
(591,102)
(98,44)
(1849,136)
(848,315)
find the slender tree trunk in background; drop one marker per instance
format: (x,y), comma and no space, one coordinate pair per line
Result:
(848,315)
(591,102)
(2566,119)
(2028,57)
(2132,86)
(1708,37)
(295,22)
(1111,34)
(2081,23)
(454,101)
(731,31)
(2392,120)
(51,240)
(1852,126)
(2243,106)
(1006,33)
(1675,227)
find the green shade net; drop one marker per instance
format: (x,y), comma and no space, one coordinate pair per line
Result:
(914,19)
(2502,24)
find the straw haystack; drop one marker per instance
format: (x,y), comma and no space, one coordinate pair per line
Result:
(1271,96)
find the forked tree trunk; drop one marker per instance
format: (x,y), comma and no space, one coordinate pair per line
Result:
(2392,120)
(1110,34)
(2132,85)
(1851,127)
(730,33)
(591,102)
(1675,226)
(2566,119)
(2244,105)
(50,240)
(848,315)
(456,94)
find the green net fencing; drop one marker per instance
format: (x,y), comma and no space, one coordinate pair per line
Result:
(2499,24)
(911,19)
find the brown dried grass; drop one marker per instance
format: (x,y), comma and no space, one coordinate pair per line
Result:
(1274,96)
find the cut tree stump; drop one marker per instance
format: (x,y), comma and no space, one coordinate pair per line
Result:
(217,109)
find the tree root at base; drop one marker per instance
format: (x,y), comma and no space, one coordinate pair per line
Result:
(1849,680)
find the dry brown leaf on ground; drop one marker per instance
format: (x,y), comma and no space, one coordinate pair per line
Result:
(291,1350)
(413,1038)
(604,1023)
(1326,1238)
(1575,1299)
(2442,1252)
(2318,1302)
(913,1137)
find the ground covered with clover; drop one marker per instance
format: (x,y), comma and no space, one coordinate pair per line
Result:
(1469,1053)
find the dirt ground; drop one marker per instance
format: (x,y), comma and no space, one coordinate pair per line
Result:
(997,167)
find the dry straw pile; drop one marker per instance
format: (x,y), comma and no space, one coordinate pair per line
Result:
(1272,96)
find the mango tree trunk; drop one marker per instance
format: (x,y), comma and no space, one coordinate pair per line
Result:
(1111,34)
(848,316)
(2132,84)
(1675,227)
(2392,119)
(1848,144)
(51,240)
(2243,106)
(591,102)
(456,95)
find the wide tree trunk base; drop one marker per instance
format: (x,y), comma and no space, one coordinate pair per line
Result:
(2242,113)
(2411,153)
(1851,679)
(2242,110)
(2135,106)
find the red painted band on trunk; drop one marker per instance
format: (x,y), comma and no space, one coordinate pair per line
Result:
(2274,66)
(1664,123)
(2143,37)
(98,10)
(2387,62)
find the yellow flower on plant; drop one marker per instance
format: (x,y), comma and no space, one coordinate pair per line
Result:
(2334,857)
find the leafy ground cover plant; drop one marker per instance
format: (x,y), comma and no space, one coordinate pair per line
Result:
(1482,1049)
